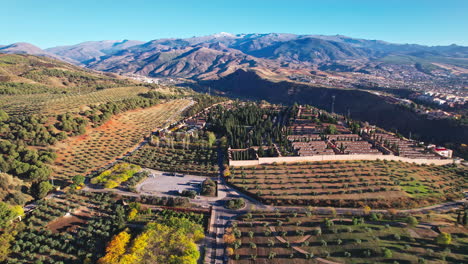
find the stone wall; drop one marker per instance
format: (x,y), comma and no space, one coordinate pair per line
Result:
(238,163)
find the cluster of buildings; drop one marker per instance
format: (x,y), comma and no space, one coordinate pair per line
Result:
(440,98)
(309,138)
(144,79)
(384,75)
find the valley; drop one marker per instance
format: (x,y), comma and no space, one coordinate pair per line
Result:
(362,105)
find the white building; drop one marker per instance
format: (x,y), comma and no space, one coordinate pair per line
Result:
(443,152)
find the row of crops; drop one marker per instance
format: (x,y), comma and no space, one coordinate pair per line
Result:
(388,183)
(103,144)
(266,237)
(196,161)
(36,243)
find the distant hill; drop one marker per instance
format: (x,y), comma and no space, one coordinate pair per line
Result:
(27,48)
(92,50)
(22,47)
(202,61)
(23,74)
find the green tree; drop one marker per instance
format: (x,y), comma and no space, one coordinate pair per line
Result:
(331,130)
(78,179)
(387,253)
(3,116)
(41,189)
(8,213)
(38,174)
(208,187)
(211,138)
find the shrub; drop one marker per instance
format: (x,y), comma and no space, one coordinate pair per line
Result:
(443,239)
(189,193)
(236,203)
(412,221)
(387,253)
(208,188)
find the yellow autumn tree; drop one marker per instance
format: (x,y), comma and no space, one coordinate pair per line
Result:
(226,172)
(229,238)
(366,209)
(132,214)
(115,249)
(137,249)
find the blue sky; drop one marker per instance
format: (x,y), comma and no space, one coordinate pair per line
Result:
(48,23)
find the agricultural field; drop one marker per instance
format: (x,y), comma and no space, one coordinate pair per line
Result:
(82,228)
(52,104)
(67,229)
(379,184)
(40,85)
(274,237)
(195,161)
(99,146)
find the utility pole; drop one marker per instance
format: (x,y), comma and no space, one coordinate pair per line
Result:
(333,104)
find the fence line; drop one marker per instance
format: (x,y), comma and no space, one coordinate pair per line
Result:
(237,163)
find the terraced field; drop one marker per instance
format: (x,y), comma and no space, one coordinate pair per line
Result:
(53,104)
(195,161)
(96,148)
(353,183)
(266,237)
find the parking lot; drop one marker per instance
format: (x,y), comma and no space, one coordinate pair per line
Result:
(163,183)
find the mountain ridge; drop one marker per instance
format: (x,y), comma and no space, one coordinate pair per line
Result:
(27,48)
(89,50)
(288,56)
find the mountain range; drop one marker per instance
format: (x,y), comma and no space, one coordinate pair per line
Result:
(335,60)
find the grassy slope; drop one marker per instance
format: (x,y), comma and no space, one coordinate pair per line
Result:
(31,84)
(50,75)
